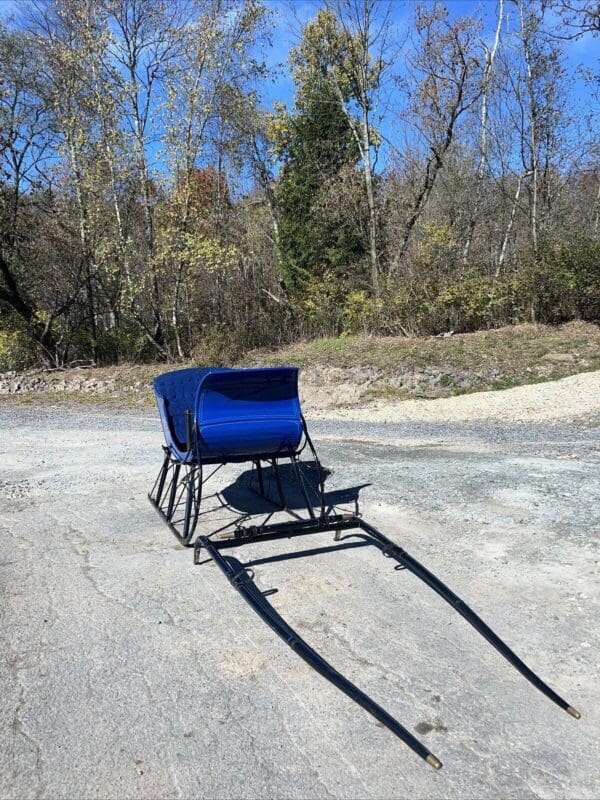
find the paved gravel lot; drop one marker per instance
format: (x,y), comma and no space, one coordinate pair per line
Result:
(125,671)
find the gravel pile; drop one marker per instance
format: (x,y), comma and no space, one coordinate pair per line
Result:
(566,399)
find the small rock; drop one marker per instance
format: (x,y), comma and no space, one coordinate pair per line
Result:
(558,358)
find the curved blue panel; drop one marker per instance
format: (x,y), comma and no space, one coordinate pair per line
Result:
(175,394)
(248,412)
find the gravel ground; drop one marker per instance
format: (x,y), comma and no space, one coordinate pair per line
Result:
(125,671)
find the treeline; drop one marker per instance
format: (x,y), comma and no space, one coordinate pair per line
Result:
(152,207)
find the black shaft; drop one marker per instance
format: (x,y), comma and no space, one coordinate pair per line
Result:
(247,588)
(404,558)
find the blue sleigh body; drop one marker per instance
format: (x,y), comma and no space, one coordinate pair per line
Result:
(222,416)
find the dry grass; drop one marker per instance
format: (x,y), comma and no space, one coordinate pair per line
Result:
(512,349)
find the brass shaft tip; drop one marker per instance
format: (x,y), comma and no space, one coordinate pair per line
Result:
(573,712)
(435,762)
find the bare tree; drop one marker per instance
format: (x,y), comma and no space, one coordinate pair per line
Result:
(490,55)
(25,145)
(536,79)
(148,38)
(210,75)
(60,27)
(576,18)
(446,72)
(510,223)
(260,157)
(355,46)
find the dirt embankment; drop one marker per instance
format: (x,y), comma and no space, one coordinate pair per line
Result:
(548,374)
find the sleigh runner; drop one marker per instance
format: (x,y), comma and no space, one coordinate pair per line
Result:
(212,417)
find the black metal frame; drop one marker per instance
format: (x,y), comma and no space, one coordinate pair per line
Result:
(242,580)
(177,491)
(297,464)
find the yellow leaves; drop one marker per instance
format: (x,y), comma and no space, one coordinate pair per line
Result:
(359,310)
(17,349)
(278,128)
(436,242)
(376,137)
(200,254)
(208,255)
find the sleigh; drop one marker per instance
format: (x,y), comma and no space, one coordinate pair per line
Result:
(212,417)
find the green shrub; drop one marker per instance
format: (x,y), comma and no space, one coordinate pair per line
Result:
(18,351)
(563,283)
(474,302)
(320,307)
(122,344)
(358,312)
(398,311)
(434,249)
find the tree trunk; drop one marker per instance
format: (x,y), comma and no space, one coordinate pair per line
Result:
(489,65)
(143,177)
(367,169)
(265,180)
(434,165)
(533,144)
(149,235)
(84,240)
(12,296)
(509,227)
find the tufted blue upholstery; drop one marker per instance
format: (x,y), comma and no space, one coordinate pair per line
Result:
(239,414)
(175,394)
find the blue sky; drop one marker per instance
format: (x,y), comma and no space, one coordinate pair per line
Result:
(584,51)
(288,17)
